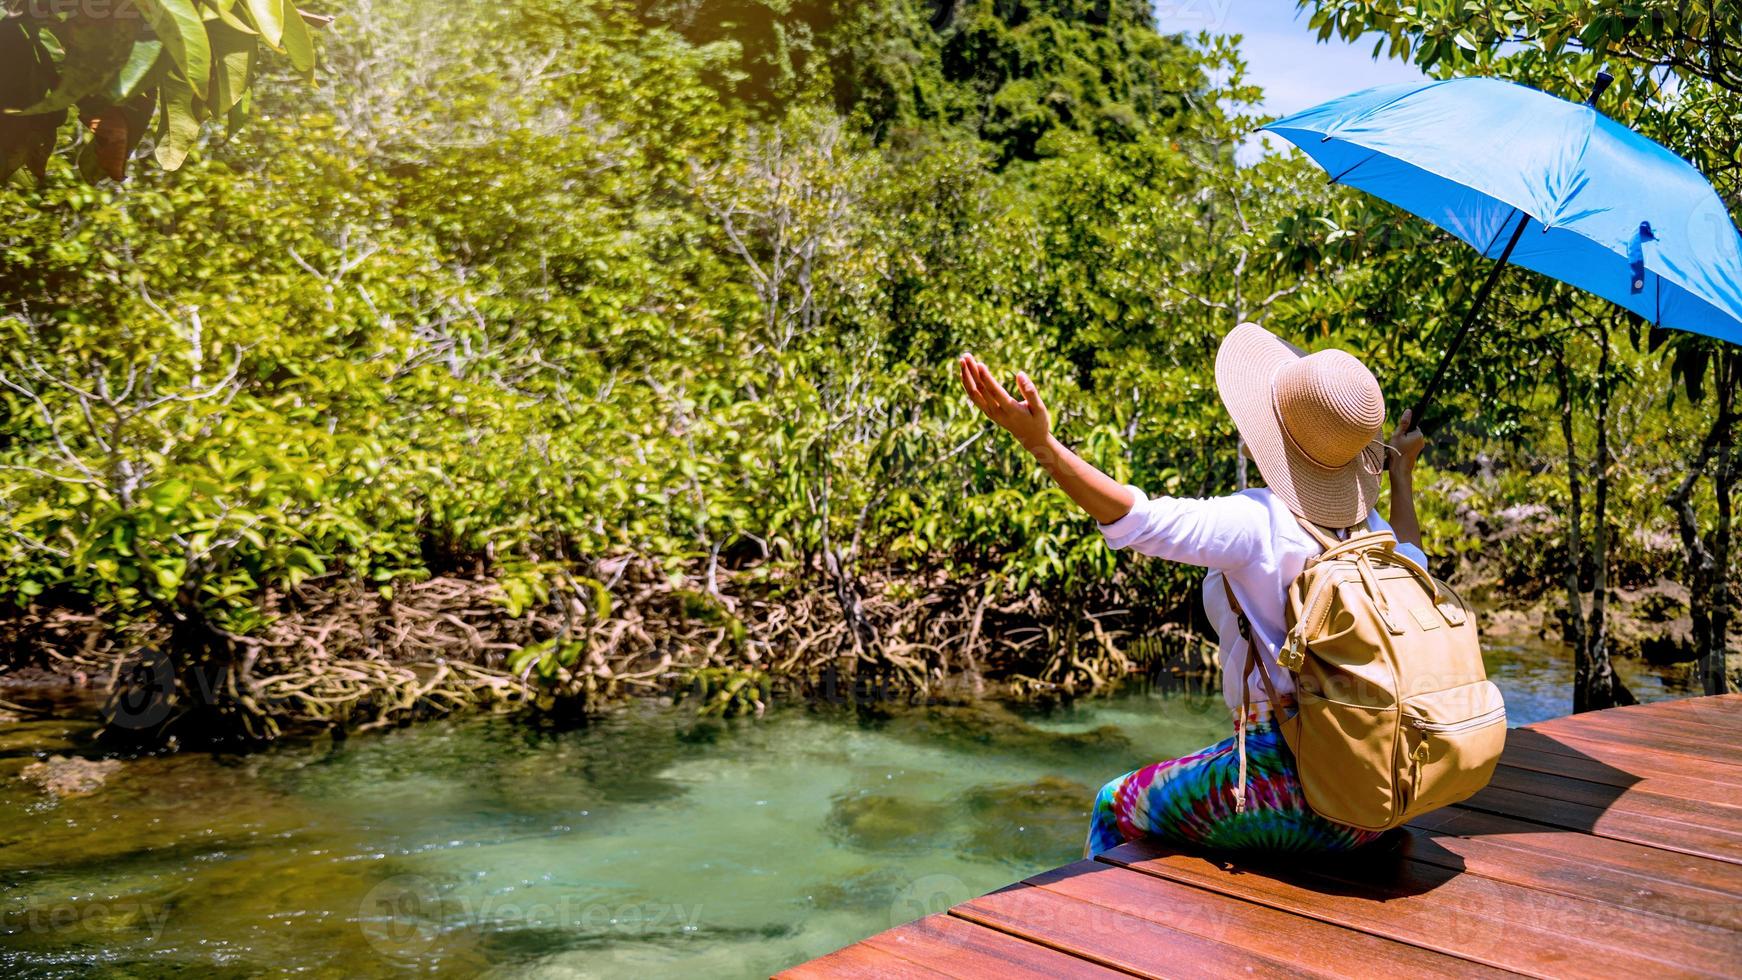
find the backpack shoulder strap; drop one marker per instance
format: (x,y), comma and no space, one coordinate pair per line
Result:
(1239,789)
(1252,654)
(1325,540)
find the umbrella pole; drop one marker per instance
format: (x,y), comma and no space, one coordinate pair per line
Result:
(1421,404)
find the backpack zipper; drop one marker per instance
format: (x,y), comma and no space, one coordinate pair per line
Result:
(1293,652)
(1482,720)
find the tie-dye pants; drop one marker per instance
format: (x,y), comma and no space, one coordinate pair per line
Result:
(1188,802)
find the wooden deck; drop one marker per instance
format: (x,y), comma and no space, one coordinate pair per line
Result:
(1609,844)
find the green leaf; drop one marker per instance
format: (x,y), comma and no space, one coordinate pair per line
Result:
(299,44)
(133,74)
(95,51)
(183,33)
(232,62)
(601,596)
(178,126)
(232,125)
(268,17)
(89,167)
(167,496)
(225,13)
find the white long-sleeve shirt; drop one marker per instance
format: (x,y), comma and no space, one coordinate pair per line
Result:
(1253,540)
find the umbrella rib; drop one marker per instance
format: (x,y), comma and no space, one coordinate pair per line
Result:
(1351,169)
(1500,231)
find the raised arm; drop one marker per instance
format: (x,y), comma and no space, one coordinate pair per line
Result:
(1105,499)
(1407,444)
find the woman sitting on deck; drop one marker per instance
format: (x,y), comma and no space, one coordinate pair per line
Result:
(1312,423)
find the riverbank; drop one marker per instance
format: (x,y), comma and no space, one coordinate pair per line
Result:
(333,656)
(727,640)
(741,630)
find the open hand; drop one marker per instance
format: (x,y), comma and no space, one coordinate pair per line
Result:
(1406,443)
(1027,420)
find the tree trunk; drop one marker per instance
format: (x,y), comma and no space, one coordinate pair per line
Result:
(1575,631)
(1707,578)
(1696,557)
(1713,663)
(1595,685)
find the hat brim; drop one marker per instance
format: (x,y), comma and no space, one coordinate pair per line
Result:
(1246,367)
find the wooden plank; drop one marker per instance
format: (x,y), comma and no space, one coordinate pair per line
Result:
(1112,937)
(1637,760)
(860,962)
(1714,877)
(1501,925)
(1690,720)
(1719,845)
(1579,879)
(1639,799)
(1725,709)
(1686,943)
(1660,735)
(1676,711)
(1644,723)
(1589,769)
(962,949)
(1265,934)
(1719,716)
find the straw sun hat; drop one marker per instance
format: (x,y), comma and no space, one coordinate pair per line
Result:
(1311,422)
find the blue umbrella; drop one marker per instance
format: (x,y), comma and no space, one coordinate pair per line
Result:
(1544,183)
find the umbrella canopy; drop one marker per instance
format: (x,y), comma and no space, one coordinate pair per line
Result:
(1552,185)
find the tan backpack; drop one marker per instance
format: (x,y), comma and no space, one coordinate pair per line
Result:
(1396,714)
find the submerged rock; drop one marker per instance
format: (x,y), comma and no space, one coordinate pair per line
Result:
(869,889)
(992,724)
(63,776)
(1028,823)
(885,822)
(34,736)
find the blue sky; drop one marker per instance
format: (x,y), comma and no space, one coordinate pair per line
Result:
(1283,55)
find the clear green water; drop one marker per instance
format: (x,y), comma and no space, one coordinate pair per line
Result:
(650,844)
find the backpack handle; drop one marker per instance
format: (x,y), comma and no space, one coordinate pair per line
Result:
(1439,590)
(1384,540)
(1359,543)
(1331,546)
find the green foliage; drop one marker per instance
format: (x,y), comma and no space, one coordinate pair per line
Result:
(530,290)
(1695,38)
(122,63)
(1028,78)
(728,692)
